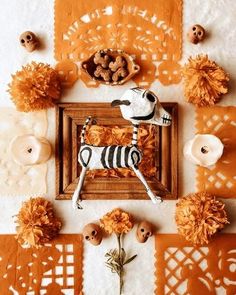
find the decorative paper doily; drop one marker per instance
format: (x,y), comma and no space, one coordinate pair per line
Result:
(187,270)
(219,179)
(55,268)
(150,30)
(16,179)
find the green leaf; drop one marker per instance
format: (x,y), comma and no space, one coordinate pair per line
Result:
(114,252)
(115,268)
(108,265)
(130,259)
(115,262)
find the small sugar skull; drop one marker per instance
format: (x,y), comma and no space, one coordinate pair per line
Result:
(93,233)
(29,41)
(196,34)
(144,231)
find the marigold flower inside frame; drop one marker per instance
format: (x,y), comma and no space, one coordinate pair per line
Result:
(117,221)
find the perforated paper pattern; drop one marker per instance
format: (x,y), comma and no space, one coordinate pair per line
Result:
(219,179)
(150,30)
(16,179)
(55,268)
(182,269)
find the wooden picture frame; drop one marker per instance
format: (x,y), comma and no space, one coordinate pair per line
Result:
(70,118)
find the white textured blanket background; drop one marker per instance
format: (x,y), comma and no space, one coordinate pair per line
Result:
(218,17)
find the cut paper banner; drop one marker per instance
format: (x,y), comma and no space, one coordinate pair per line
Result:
(182,269)
(219,179)
(149,30)
(55,268)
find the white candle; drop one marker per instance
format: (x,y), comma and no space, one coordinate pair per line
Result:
(30,150)
(204,150)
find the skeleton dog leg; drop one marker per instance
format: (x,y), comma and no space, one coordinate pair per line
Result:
(86,157)
(76,196)
(155,199)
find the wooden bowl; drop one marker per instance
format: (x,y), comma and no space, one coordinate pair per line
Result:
(89,67)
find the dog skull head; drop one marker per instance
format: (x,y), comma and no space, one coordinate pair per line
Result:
(29,41)
(93,233)
(139,105)
(144,231)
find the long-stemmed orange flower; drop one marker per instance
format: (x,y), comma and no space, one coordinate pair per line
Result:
(118,222)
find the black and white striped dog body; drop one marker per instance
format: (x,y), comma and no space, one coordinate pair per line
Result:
(108,157)
(138,106)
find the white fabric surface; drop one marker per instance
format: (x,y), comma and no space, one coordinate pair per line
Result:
(218,17)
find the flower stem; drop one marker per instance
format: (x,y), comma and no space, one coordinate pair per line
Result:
(120,262)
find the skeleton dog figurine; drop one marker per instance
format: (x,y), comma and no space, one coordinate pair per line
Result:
(137,106)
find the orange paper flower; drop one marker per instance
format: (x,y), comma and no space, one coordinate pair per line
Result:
(117,221)
(204,81)
(199,216)
(35,87)
(37,223)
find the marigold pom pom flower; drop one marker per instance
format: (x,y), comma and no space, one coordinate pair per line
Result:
(117,221)
(36,222)
(35,87)
(199,216)
(204,81)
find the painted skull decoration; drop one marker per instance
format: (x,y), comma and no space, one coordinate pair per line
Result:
(29,41)
(93,234)
(139,105)
(196,34)
(144,231)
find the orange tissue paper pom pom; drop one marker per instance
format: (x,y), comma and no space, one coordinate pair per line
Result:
(199,216)
(36,222)
(35,87)
(204,81)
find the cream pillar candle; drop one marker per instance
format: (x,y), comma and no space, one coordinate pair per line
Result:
(30,150)
(204,150)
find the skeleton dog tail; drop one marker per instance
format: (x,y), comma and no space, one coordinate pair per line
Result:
(84,129)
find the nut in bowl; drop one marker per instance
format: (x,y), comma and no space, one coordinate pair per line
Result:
(110,66)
